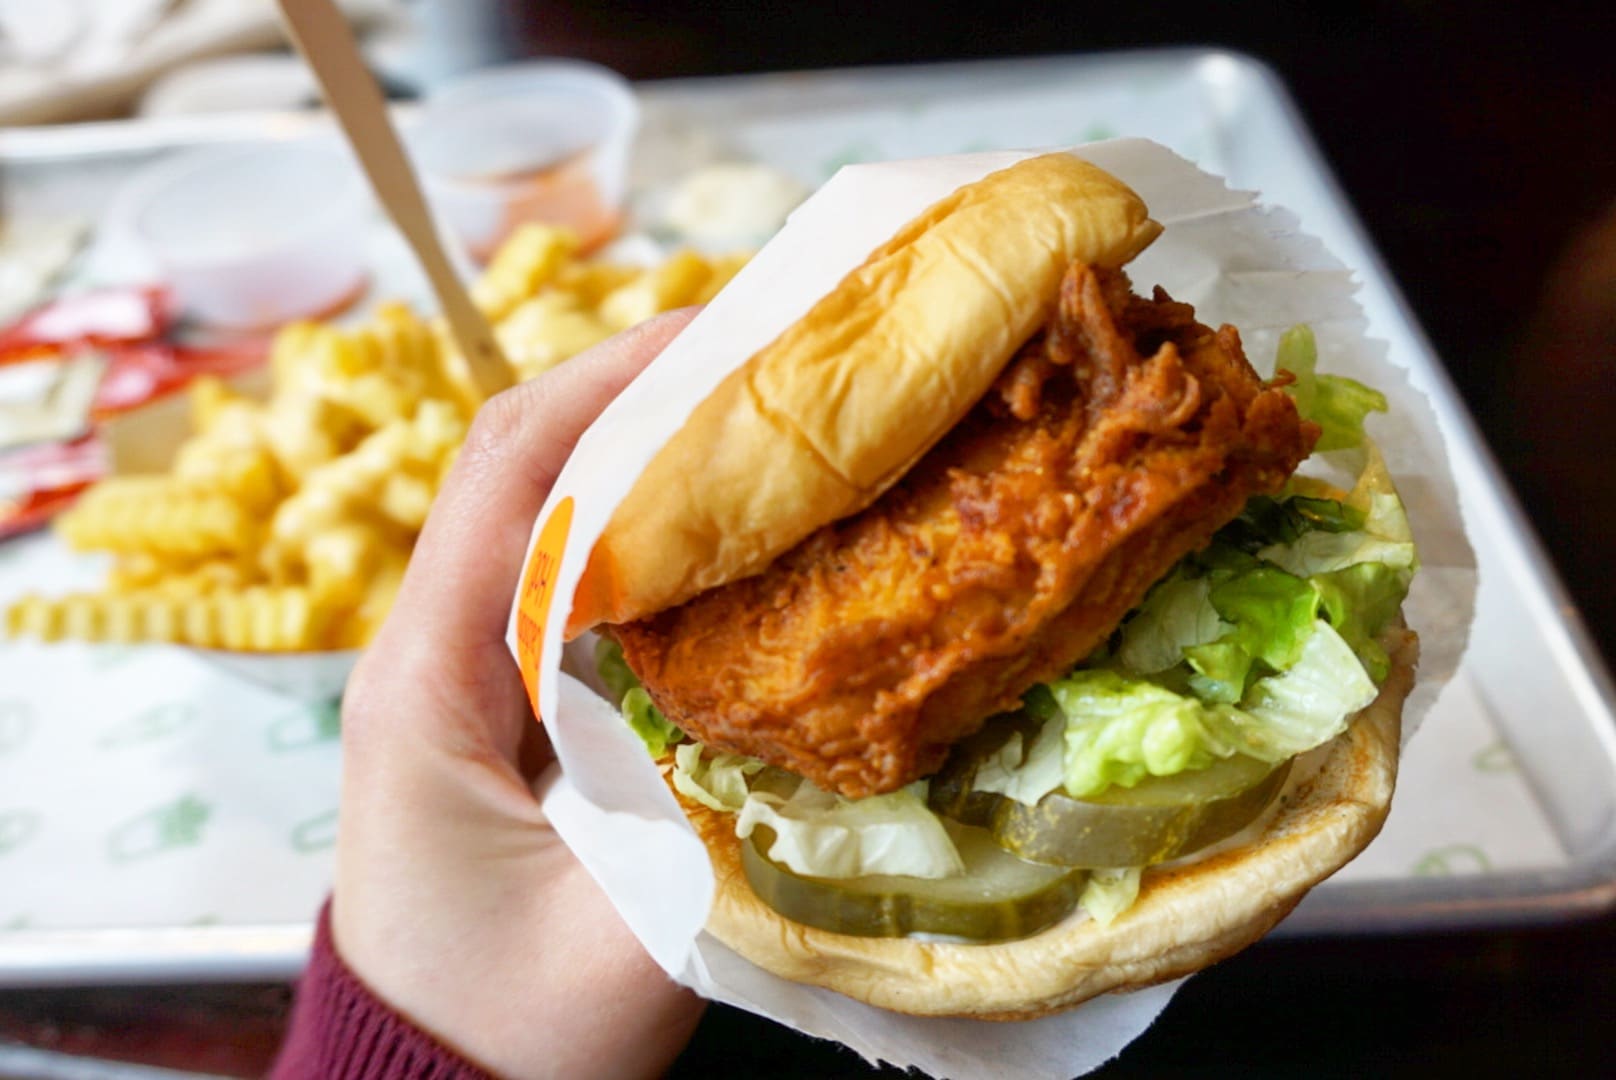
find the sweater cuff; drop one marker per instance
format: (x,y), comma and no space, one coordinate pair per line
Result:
(340,1030)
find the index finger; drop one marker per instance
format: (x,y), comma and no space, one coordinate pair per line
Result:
(462,575)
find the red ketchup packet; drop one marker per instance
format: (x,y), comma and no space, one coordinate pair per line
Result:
(37,482)
(131,329)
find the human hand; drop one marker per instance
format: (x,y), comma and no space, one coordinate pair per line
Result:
(455,901)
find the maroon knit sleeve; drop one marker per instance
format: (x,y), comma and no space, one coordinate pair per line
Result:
(341,1031)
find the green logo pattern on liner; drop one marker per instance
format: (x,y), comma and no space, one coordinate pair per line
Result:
(320,722)
(1497,758)
(155,723)
(20,922)
(16,725)
(17,827)
(317,833)
(1452,860)
(164,827)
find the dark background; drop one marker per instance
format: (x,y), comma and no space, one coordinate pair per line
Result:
(1474,141)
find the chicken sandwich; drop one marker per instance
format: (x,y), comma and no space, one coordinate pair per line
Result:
(999,655)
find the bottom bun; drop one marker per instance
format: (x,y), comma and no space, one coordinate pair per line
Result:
(1188,915)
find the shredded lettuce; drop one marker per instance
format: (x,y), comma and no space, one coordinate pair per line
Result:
(1177,614)
(1334,402)
(613,669)
(1304,706)
(1268,615)
(1383,538)
(1359,601)
(1219,671)
(821,834)
(1269,612)
(656,731)
(1120,730)
(1264,616)
(1110,892)
(1026,775)
(717,781)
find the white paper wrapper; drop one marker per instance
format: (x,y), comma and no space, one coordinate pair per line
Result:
(1235,262)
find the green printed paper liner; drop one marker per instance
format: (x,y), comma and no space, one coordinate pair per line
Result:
(1234,261)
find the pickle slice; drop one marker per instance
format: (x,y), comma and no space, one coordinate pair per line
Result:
(998,898)
(1158,819)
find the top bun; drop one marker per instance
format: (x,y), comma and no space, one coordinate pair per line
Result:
(818,423)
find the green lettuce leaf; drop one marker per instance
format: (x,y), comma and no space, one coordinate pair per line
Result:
(1383,538)
(656,731)
(1177,614)
(1219,671)
(1334,402)
(1269,612)
(1302,707)
(1359,601)
(1229,625)
(1120,730)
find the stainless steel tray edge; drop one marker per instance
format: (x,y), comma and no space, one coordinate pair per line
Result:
(153,955)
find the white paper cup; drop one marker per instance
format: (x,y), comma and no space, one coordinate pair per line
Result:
(252,237)
(545,141)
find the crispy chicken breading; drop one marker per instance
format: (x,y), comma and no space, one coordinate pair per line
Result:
(1116,442)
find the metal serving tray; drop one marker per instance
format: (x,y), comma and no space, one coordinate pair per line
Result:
(1531,674)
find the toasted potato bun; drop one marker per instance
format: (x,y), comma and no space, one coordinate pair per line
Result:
(820,422)
(1188,915)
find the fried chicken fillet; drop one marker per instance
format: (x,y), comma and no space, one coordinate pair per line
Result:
(1115,442)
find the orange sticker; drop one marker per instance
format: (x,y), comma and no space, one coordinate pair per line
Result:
(538,589)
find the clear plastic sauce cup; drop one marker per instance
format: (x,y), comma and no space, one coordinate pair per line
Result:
(544,141)
(252,237)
